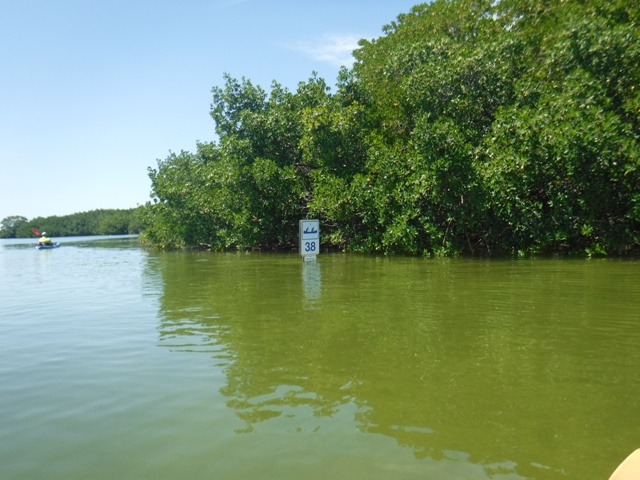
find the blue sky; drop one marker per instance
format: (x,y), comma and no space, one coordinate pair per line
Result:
(93,92)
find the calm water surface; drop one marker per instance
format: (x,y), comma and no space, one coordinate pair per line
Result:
(116,362)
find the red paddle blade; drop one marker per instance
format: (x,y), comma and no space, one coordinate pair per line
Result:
(35,232)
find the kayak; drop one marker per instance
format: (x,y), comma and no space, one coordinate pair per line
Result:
(47,247)
(629,469)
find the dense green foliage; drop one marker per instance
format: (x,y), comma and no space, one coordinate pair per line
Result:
(94,222)
(9,226)
(469,126)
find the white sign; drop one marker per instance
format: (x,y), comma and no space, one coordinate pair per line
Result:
(309,238)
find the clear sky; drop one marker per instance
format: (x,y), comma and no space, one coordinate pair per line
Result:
(93,92)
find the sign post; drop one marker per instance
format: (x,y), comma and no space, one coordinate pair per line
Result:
(309,239)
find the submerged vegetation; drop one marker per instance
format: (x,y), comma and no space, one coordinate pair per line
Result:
(469,126)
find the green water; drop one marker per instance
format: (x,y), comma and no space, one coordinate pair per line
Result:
(116,362)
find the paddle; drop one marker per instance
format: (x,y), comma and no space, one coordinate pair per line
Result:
(35,232)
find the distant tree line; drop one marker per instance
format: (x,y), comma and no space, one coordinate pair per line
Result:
(94,222)
(470,126)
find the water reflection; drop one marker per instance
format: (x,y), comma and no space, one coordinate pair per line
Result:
(311,284)
(506,366)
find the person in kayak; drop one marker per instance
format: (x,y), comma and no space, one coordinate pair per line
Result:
(44,240)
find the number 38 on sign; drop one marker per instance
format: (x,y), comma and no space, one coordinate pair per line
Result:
(309,239)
